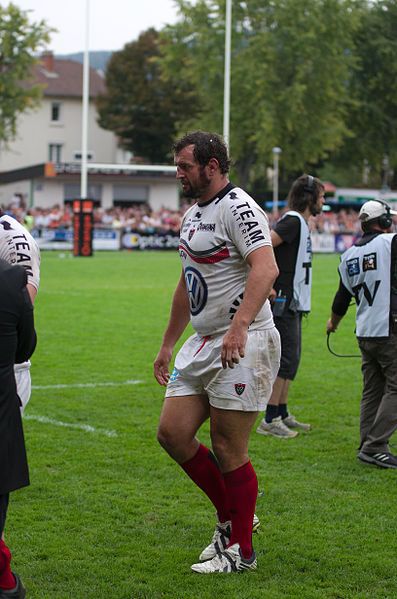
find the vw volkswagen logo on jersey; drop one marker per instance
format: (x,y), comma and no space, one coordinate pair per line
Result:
(197,290)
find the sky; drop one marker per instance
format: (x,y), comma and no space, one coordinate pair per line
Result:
(112,23)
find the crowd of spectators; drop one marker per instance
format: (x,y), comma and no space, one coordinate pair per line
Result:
(140,218)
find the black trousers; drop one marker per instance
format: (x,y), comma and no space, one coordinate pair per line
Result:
(289,325)
(3,510)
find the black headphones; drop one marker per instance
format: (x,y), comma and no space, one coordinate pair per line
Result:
(309,184)
(385,220)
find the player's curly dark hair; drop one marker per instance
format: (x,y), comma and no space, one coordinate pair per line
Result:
(206,146)
(304,192)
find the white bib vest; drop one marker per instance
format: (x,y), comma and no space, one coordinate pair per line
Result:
(365,272)
(301,301)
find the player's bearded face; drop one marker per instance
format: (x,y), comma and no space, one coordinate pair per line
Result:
(195,186)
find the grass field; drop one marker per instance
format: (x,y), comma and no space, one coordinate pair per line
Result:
(108,515)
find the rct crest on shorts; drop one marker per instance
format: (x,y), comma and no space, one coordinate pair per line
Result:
(239,388)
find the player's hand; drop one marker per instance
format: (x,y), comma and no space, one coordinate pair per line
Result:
(272,296)
(331,327)
(233,347)
(161,366)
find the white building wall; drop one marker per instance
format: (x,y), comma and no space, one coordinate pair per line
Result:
(30,145)
(36,131)
(45,193)
(164,194)
(9,189)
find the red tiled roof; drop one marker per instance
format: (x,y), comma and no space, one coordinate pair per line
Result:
(328,187)
(65,78)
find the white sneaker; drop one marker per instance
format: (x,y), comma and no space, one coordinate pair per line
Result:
(292,422)
(221,538)
(230,560)
(277,428)
(220,541)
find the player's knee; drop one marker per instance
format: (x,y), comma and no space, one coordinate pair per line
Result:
(228,453)
(168,438)
(220,447)
(162,436)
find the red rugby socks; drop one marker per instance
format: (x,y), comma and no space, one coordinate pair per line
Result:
(204,471)
(242,491)
(7,581)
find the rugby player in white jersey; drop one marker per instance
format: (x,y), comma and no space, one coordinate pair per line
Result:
(226,370)
(17,246)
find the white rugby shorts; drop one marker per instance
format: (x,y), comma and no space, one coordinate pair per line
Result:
(246,387)
(23,381)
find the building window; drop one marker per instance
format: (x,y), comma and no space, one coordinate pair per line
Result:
(55,112)
(55,152)
(77,155)
(71,191)
(127,195)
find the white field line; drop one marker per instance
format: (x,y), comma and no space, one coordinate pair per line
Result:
(81,385)
(84,427)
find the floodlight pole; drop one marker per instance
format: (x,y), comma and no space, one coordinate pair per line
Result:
(276,151)
(84,124)
(226,83)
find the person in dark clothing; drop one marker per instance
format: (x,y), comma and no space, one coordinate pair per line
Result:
(368,272)
(291,298)
(17,344)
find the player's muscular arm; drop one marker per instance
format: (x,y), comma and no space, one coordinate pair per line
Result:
(179,318)
(260,281)
(32,291)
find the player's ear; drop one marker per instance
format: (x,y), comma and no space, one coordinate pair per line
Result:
(213,165)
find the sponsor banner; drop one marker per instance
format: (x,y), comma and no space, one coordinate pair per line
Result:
(110,239)
(57,239)
(323,242)
(343,242)
(329,242)
(149,241)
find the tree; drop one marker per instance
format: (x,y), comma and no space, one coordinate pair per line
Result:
(290,63)
(19,41)
(373,85)
(140,104)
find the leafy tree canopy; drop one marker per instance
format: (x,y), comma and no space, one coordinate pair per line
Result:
(19,41)
(141,105)
(373,84)
(290,65)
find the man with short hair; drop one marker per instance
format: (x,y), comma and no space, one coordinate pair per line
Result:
(368,272)
(17,343)
(225,371)
(291,298)
(17,246)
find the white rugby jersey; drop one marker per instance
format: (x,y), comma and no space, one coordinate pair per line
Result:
(214,241)
(17,246)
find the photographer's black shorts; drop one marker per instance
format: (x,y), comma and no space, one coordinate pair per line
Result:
(289,325)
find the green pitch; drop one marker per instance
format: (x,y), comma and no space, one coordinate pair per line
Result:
(109,516)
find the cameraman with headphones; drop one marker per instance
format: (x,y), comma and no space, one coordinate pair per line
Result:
(368,272)
(291,298)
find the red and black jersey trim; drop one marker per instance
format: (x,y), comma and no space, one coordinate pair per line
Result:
(211,256)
